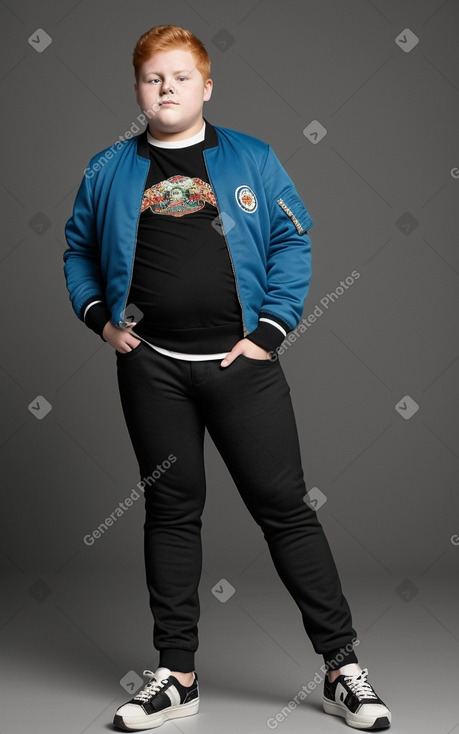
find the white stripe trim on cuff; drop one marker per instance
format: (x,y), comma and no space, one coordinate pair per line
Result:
(89,306)
(274,323)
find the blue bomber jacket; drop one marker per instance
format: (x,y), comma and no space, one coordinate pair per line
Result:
(260,215)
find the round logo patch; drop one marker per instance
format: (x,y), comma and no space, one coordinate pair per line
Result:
(246,199)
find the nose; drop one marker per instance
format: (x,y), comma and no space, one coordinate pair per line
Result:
(167,87)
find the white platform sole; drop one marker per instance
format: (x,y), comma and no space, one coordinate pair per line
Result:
(355,720)
(151,722)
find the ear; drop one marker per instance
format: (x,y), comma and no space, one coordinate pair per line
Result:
(136,90)
(208,86)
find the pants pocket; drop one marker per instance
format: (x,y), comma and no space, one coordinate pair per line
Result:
(132,353)
(253,360)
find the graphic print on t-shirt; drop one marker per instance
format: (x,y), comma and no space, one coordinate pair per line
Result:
(178,195)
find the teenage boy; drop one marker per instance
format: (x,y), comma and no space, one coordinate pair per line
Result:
(195,234)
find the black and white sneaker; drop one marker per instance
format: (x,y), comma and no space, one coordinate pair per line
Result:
(161,699)
(351,696)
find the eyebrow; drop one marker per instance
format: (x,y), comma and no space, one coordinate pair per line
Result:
(179,71)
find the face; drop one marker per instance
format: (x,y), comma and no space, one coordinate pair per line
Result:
(171,92)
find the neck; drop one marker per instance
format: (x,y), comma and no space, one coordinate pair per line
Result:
(181,142)
(178,135)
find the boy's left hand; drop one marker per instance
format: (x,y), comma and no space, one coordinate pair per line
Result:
(245,346)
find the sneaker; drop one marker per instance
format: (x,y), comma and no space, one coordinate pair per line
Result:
(161,699)
(351,696)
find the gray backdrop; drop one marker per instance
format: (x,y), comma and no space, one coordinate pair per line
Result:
(359,99)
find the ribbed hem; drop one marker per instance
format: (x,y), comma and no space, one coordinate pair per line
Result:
(202,340)
(175,659)
(335,659)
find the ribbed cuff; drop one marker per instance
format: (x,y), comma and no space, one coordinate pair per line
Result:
(96,317)
(267,336)
(335,659)
(175,659)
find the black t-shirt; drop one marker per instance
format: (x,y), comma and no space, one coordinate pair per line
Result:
(182,279)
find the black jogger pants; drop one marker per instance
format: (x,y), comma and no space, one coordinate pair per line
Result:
(247,410)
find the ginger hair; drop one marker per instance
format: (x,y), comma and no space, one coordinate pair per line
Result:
(166,38)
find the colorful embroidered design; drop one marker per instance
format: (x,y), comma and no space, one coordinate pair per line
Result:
(246,199)
(177,196)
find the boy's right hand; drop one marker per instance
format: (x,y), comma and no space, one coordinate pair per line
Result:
(120,339)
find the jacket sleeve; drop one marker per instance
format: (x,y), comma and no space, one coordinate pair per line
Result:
(82,268)
(289,257)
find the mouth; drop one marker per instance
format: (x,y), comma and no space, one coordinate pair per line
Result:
(168,102)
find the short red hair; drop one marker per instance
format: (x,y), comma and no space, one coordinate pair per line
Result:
(166,38)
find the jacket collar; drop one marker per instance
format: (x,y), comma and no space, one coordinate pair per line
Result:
(210,140)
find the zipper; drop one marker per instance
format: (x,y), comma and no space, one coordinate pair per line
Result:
(244,328)
(124,323)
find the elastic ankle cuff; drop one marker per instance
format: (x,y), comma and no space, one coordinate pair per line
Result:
(175,659)
(335,659)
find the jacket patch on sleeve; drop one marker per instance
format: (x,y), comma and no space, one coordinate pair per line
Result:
(294,208)
(289,213)
(246,199)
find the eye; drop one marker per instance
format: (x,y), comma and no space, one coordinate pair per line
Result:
(154,80)
(183,78)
